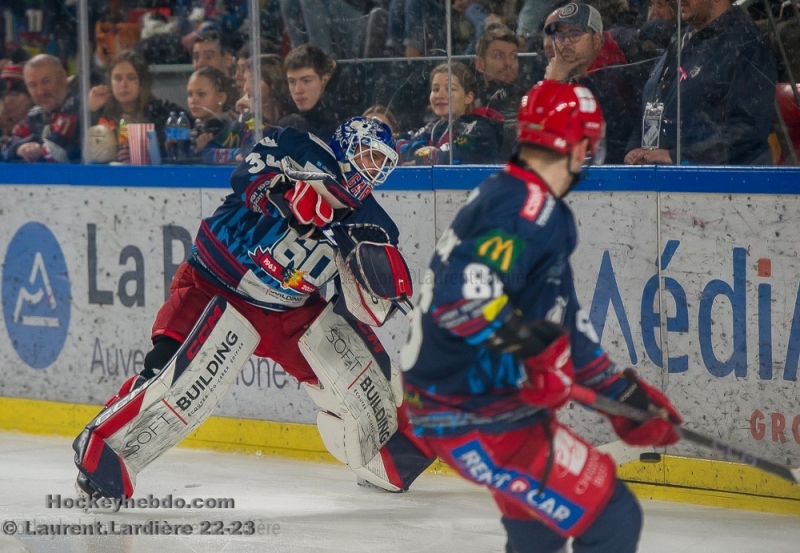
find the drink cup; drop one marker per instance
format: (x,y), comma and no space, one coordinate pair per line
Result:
(137,142)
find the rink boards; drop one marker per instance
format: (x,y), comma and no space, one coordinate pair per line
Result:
(699,290)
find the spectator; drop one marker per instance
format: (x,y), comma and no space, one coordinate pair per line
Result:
(51,130)
(274,91)
(243,62)
(499,86)
(322,92)
(533,17)
(209,51)
(547,40)
(661,10)
(727,93)
(622,23)
(130,97)
(585,55)
(384,115)
(217,137)
(477,132)
(16,101)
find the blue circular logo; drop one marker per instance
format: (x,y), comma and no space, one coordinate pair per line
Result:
(36,295)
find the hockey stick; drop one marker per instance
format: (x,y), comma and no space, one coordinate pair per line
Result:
(590,398)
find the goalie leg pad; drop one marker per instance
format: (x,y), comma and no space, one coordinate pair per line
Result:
(354,384)
(139,427)
(396,465)
(359,391)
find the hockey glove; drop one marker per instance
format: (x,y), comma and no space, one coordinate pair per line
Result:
(658,431)
(548,376)
(308,206)
(375,263)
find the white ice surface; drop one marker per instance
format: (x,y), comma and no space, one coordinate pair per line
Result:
(302,506)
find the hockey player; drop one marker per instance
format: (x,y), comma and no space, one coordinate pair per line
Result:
(498,339)
(301,214)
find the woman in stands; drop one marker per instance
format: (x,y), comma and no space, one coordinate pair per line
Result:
(218,136)
(383,114)
(275,99)
(477,132)
(129,98)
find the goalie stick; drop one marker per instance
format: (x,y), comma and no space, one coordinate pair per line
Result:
(590,398)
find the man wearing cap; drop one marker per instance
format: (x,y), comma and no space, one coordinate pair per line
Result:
(585,55)
(51,130)
(726,79)
(14,99)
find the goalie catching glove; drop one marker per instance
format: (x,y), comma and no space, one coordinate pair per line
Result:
(658,431)
(376,263)
(543,351)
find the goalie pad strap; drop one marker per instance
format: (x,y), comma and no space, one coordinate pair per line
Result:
(134,431)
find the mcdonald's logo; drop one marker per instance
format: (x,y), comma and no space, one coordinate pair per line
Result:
(499,250)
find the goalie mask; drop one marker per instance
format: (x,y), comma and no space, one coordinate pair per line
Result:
(364,148)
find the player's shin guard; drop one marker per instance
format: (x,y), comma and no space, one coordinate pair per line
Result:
(141,423)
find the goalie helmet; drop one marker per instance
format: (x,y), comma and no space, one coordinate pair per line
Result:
(364,148)
(557,116)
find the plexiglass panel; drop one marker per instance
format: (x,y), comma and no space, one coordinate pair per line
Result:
(692,83)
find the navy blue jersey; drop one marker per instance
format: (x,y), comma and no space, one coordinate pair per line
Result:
(59,133)
(507,249)
(249,248)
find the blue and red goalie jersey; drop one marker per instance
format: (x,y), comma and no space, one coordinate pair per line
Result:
(247,247)
(507,249)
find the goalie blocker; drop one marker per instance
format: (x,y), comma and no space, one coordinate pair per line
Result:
(140,423)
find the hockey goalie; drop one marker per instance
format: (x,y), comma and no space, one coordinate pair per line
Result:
(300,214)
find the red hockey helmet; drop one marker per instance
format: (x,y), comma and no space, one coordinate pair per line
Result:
(557,116)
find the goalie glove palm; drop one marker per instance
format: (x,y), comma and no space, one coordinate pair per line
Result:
(658,431)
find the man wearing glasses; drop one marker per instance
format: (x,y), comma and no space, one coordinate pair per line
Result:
(585,55)
(577,35)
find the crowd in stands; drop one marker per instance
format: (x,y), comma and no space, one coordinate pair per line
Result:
(323,61)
